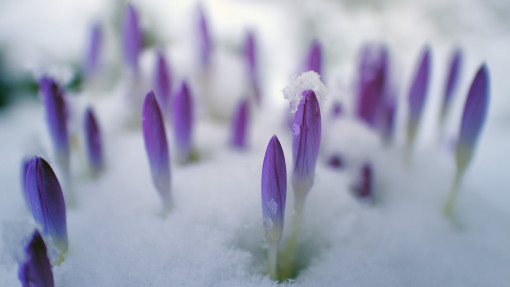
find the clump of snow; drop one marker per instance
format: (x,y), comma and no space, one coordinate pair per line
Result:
(306,81)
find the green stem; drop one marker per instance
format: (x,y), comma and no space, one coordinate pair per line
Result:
(450,202)
(290,253)
(272,261)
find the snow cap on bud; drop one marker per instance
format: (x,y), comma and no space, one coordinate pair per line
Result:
(240,125)
(273,191)
(163,83)
(473,118)
(156,147)
(47,202)
(306,138)
(93,142)
(131,37)
(451,83)
(35,270)
(183,122)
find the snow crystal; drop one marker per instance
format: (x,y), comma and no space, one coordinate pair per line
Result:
(273,206)
(306,81)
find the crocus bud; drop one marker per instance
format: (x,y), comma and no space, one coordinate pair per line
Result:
(306,138)
(183,122)
(314,60)
(204,39)
(47,202)
(388,119)
(363,187)
(250,54)
(273,190)
(163,83)
(451,83)
(336,110)
(24,167)
(131,37)
(35,270)
(473,118)
(92,64)
(240,125)
(55,107)
(372,78)
(93,141)
(417,95)
(156,146)
(336,161)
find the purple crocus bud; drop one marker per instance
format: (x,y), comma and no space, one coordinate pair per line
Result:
(240,125)
(336,110)
(92,64)
(204,39)
(163,83)
(132,37)
(250,54)
(473,118)
(35,270)
(156,146)
(336,161)
(388,119)
(363,188)
(24,167)
(306,138)
(417,95)
(273,190)
(47,202)
(93,141)
(314,60)
(372,80)
(451,83)
(55,107)
(183,122)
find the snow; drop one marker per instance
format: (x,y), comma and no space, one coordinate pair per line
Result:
(306,81)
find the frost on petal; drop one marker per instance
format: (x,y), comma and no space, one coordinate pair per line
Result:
(162,83)
(156,146)
(306,81)
(35,270)
(47,202)
(314,60)
(451,83)
(131,37)
(473,118)
(418,93)
(183,122)
(93,141)
(273,190)
(240,125)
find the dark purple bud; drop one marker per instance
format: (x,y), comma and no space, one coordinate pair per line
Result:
(336,161)
(314,60)
(240,125)
(473,118)
(453,77)
(372,78)
(417,95)
(336,110)
(24,167)
(183,122)
(93,141)
(92,64)
(363,189)
(204,38)
(273,190)
(163,83)
(55,107)
(35,270)
(306,139)
(47,202)
(132,37)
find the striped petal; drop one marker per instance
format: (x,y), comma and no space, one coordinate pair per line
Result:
(35,270)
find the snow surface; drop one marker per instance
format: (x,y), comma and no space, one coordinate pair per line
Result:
(118,233)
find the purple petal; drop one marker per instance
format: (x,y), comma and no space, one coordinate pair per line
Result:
(94,50)
(306,138)
(156,146)
(273,190)
(363,188)
(35,270)
(93,141)
(132,37)
(388,119)
(250,54)
(240,125)
(417,94)
(336,110)
(162,83)
(473,118)
(453,77)
(183,122)
(24,167)
(204,39)
(314,60)
(47,201)
(55,107)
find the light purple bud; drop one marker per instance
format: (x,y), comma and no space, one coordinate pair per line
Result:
(451,83)
(183,122)
(24,167)
(163,83)
(273,190)
(373,74)
(306,138)
(388,119)
(156,146)
(35,270)
(473,118)
(417,94)
(204,38)
(93,142)
(55,107)
(240,125)
(92,64)
(250,54)
(314,60)
(47,202)
(363,189)
(132,37)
